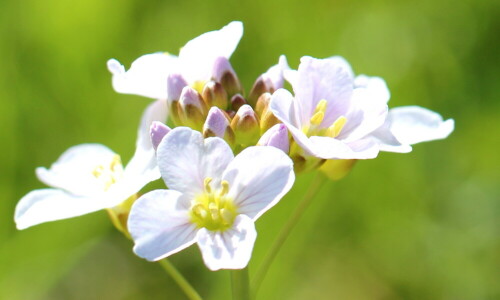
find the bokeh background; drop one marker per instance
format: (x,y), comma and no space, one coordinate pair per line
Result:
(424,225)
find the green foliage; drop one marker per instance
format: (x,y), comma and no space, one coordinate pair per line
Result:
(423,225)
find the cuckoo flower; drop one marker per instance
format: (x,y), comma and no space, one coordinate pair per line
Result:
(90,177)
(149,74)
(213,199)
(335,115)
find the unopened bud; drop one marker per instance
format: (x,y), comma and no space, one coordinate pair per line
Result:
(175,84)
(223,72)
(276,136)
(217,124)
(245,125)
(336,169)
(237,101)
(157,132)
(214,95)
(270,81)
(259,87)
(267,118)
(192,108)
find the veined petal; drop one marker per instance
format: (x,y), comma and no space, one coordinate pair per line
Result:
(40,206)
(74,170)
(198,55)
(159,224)
(146,77)
(185,160)
(230,249)
(414,124)
(258,178)
(322,79)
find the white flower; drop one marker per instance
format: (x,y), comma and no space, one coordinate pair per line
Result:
(335,115)
(148,74)
(213,199)
(90,177)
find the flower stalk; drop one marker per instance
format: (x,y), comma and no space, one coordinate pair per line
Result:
(185,286)
(240,284)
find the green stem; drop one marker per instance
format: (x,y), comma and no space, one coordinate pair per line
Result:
(240,284)
(179,279)
(317,182)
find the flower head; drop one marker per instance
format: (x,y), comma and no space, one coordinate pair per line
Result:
(213,199)
(91,177)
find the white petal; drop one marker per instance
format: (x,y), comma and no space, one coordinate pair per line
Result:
(258,178)
(283,108)
(185,160)
(414,124)
(159,224)
(387,141)
(322,79)
(275,74)
(366,115)
(142,168)
(146,77)
(342,63)
(376,85)
(46,205)
(330,148)
(73,171)
(230,249)
(198,55)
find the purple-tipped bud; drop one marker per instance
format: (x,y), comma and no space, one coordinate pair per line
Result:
(260,87)
(217,124)
(157,131)
(192,109)
(245,125)
(175,84)
(214,95)
(224,73)
(276,136)
(237,101)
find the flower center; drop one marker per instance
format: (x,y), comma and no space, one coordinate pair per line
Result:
(108,174)
(213,210)
(317,118)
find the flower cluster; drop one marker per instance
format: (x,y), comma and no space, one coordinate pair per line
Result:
(331,119)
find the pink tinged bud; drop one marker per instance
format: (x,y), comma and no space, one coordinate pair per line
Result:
(260,87)
(192,108)
(175,84)
(214,95)
(267,118)
(237,101)
(217,124)
(276,136)
(224,73)
(157,131)
(245,125)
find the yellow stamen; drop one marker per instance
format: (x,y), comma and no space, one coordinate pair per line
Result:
(225,188)
(336,128)
(206,184)
(319,113)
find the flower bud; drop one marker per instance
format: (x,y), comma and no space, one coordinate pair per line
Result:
(119,214)
(237,101)
(217,124)
(267,118)
(192,108)
(336,169)
(276,136)
(270,81)
(245,125)
(214,95)
(175,84)
(223,72)
(157,131)
(259,87)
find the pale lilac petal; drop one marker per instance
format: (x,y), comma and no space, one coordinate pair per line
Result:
(143,168)
(258,178)
(146,77)
(157,132)
(198,55)
(342,63)
(330,148)
(159,224)
(376,85)
(283,108)
(74,169)
(322,79)
(230,249)
(275,74)
(387,141)
(276,136)
(185,160)
(40,206)
(414,124)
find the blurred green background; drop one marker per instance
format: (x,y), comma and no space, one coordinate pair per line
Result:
(424,225)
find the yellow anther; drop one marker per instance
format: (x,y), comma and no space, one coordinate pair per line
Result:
(199,210)
(98,171)
(206,184)
(225,188)
(336,128)
(319,113)
(226,215)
